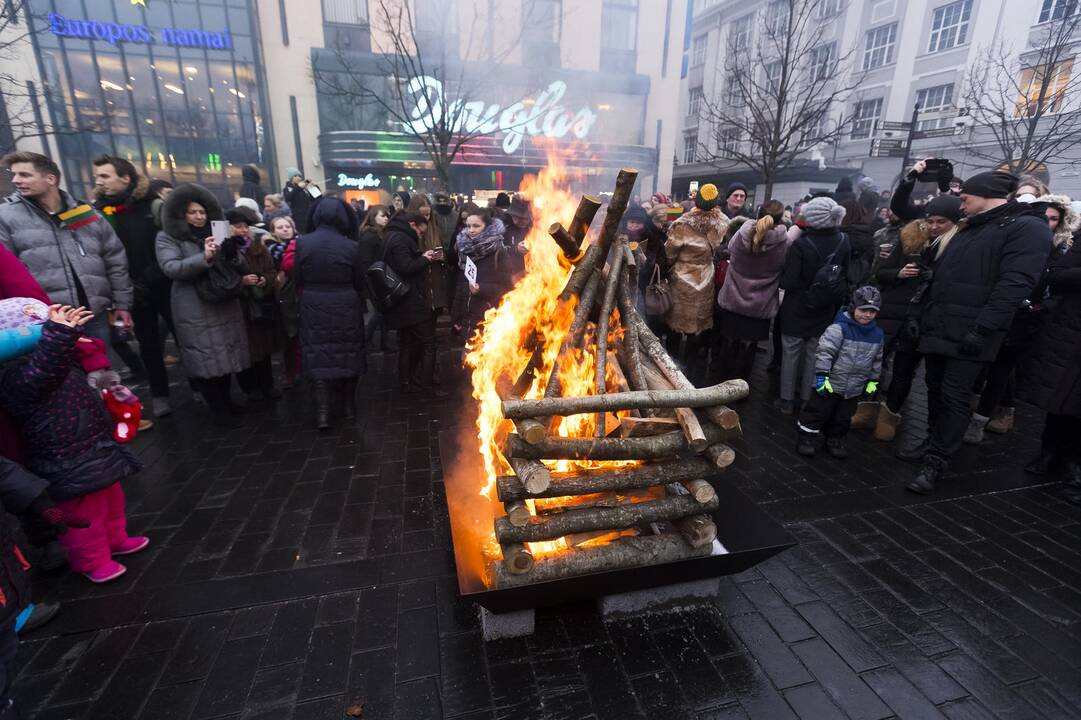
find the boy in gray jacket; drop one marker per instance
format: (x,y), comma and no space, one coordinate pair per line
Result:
(847,365)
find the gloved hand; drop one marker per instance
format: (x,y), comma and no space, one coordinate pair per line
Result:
(973,341)
(872,387)
(822,385)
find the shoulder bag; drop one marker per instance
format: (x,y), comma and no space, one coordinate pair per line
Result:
(387,288)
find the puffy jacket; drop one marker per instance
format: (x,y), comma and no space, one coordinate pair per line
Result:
(18,488)
(750,286)
(404,256)
(62,259)
(990,266)
(1052,377)
(808,253)
(851,354)
(329,273)
(69,434)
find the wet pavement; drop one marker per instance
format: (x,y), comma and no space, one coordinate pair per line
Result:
(301,575)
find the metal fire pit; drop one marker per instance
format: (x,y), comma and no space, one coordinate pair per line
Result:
(746,532)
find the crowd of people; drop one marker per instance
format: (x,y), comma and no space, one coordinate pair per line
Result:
(850,291)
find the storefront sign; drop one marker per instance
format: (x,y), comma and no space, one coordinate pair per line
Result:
(360,183)
(546,117)
(114,33)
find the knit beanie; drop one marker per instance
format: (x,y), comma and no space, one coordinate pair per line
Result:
(947,206)
(867,298)
(732,187)
(502,200)
(822,212)
(994,184)
(291,172)
(706,199)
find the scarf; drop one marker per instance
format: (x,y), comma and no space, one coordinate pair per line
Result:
(483,245)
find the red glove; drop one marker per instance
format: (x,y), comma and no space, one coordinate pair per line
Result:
(126,416)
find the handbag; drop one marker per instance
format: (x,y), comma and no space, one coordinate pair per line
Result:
(221,282)
(658,296)
(388,290)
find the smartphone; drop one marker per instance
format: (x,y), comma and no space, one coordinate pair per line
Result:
(219,230)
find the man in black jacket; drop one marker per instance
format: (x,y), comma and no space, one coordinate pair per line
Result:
(414,316)
(122,197)
(983,275)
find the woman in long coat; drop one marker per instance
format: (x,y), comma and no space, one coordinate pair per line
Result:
(329,274)
(211,336)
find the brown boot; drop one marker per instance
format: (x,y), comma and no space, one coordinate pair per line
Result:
(865,415)
(1001,421)
(886,427)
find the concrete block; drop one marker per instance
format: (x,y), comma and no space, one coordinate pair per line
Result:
(497,626)
(665,597)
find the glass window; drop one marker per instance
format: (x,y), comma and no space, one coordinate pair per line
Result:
(772,72)
(690,147)
(733,93)
(698,50)
(1043,89)
(543,21)
(936,105)
(739,33)
(879,47)
(828,8)
(619,24)
(823,62)
(346,12)
(949,26)
(728,142)
(1057,9)
(864,117)
(777,14)
(694,101)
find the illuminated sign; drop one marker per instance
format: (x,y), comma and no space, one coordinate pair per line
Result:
(546,117)
(114,33)
(360,183)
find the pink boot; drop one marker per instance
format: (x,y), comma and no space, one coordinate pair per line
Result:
(105,573)
(131,545)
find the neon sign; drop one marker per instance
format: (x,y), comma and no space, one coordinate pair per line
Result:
(546,116)
(368,181)
(114,33)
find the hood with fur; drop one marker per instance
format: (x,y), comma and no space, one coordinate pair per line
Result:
(138,191)
(176,206)
(914,237)
(1071,221)
(703,222)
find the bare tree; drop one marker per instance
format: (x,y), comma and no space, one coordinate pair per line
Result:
(1018,102)
(426,88)
(780,88)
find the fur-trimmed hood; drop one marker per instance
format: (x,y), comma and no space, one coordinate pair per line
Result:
(138,192)
(703,222)
(1071,221)
(914,237)
(173,222)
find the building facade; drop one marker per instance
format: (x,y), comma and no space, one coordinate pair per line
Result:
(192,90)
(907,52)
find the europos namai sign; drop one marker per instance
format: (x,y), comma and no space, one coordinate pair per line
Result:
(114,33)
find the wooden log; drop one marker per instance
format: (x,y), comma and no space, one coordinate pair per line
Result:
(510,487)
(698,530)
(720,455)
(615,272)
(535,478)
(630,353)
(723,416)
(554,388)
(534,345)
(639,448)
(574,520)
(531,430)
(588,206)
(688,421)
(621,196)
(571,249)
(663,397)
(700,490)
(639,427)
(576,283)
(517,560)
(517,513)
(639,551)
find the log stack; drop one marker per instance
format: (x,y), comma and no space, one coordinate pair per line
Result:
(652,504)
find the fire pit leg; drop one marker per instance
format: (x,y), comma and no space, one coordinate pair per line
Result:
(497,626)
(666,597)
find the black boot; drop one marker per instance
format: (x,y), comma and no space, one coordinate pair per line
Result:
(1041,465)
(929,474)
(322,404)
(837,447)
(805,445)
(349,398)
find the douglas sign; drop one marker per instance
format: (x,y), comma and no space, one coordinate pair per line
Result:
(545,118)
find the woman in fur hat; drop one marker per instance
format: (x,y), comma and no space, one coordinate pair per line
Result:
(692,238)
(211,336)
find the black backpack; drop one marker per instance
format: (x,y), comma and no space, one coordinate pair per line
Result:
(830,285)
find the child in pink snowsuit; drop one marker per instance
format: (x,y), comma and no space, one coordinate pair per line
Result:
(69,437)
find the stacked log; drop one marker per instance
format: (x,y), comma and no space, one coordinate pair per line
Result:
(654,504)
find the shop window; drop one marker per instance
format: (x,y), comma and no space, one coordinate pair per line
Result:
(879,46)
(865,117)
(949,25)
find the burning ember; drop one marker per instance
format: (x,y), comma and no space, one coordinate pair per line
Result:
(574,394)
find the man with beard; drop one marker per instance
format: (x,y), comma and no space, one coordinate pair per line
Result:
(123,197)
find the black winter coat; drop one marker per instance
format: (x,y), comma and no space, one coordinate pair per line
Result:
(370,247)
(990,266)
(253,185)
(901,201)
(1052,377)
(805,256)
(18,489)
(405,257)
(330,279)
(862,243)
(137,229)
(897,292)
(300,203)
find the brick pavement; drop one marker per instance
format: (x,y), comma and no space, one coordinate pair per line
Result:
(293,575)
